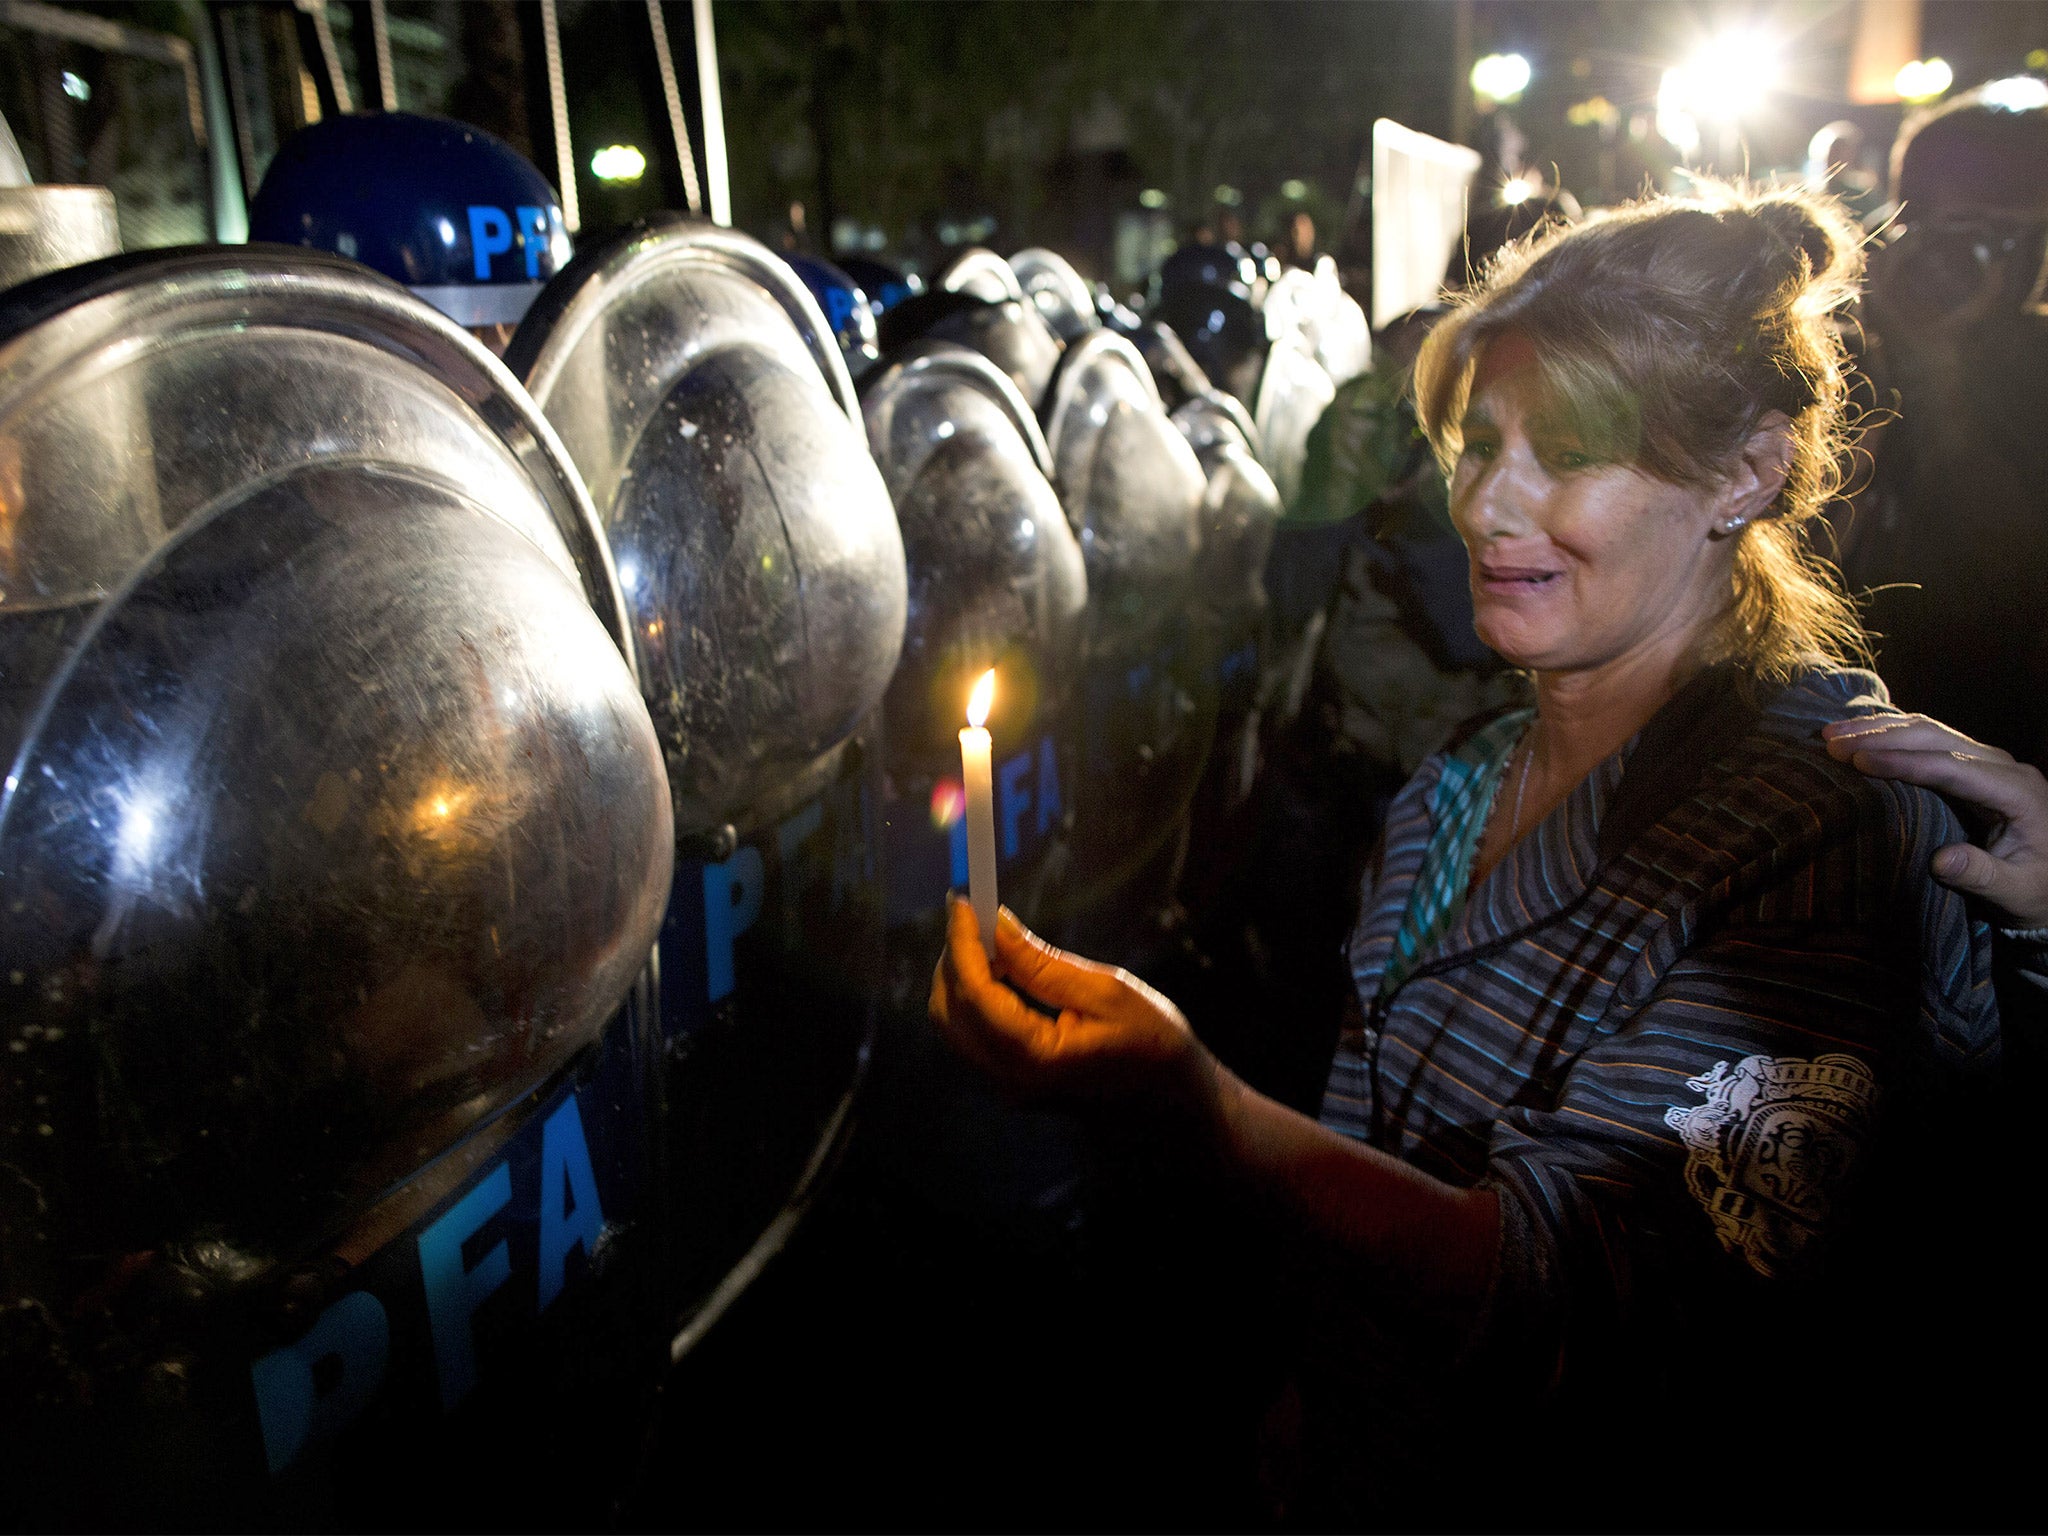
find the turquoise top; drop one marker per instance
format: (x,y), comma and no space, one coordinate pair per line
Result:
(1458,809)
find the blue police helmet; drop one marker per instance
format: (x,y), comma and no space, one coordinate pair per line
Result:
(459,217)
(883,284)
(847,310)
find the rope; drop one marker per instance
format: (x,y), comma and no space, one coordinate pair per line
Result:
(558,108)
(673,97)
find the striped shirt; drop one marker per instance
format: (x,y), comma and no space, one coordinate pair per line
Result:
(1666,1030)
(1459,808)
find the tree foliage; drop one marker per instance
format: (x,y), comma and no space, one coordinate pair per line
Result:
(903,114)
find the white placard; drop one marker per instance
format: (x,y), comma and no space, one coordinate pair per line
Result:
(1419,187)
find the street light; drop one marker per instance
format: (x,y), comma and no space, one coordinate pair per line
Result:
(1500,77)
(1922,80)
(618,163)
(1726,80)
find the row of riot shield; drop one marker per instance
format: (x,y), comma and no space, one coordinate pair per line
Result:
(1001,392)
(439,846)
(454,810)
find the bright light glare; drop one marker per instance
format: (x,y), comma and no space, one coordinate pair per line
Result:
(979,701)
(1923,80)
(1727,79)
(135,841)
(618,162)
(1675,125)
(2021,93)
(1517,189)
(1500,77)
(76,87)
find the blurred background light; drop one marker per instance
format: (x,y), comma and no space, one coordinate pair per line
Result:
(1923,80)
(1151,197)
(618,162)
(1593,112)
(1728,78)
(1294,189)
(1500,77)
(1675,123)
(2021,93)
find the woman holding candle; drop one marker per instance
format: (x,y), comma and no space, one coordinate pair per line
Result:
(1651,990)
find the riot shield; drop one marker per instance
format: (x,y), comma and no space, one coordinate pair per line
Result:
(981,274)
(1329,319)
(1062,296)
(1179,377)
(1132,489)
(1294,391)
(1343,338)
(333,835)
(978,302)
(996,580)
(1240,510)
(696,385)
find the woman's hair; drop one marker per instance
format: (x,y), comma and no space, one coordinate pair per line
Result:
(1665,332)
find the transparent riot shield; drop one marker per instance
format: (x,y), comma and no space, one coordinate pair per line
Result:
(983,275)
(1061,294)
(332,837)
(978,302)
(1132,489)
(1294,391)
(1240,509)
(996,580)
(699,389)
(1343,339)
(1329,320)
(1179,377)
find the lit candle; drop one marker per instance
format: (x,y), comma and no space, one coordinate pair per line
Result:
(981,810)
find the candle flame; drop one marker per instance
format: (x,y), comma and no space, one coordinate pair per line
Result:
(984,695)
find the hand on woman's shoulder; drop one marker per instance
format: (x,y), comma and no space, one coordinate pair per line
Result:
(2009,868)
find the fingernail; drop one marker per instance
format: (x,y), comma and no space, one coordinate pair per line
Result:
(1948,861)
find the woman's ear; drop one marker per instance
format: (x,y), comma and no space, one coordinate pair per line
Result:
(1759,475)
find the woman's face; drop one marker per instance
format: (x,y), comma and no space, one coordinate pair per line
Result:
(1576,563)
